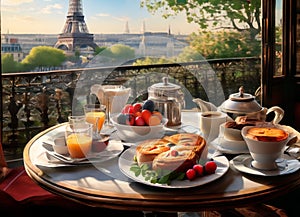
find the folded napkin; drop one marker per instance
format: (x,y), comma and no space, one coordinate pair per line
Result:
(293,146)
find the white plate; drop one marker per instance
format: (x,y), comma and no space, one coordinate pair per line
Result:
(286,165)
(220,144)
(113,149)
(126,161)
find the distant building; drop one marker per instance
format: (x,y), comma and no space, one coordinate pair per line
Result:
(11,45)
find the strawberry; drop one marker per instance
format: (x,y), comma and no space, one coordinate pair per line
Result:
(128,109)
(137,107)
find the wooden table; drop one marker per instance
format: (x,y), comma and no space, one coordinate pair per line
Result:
(109,188)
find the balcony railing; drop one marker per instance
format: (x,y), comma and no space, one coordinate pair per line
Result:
(34,101)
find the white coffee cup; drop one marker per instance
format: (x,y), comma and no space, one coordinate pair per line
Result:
(210,122)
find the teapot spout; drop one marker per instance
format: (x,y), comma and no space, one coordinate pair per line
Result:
(204,105)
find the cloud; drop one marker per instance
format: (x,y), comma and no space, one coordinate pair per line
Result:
(102,15)
(122,19)
(14,2)
(51,8)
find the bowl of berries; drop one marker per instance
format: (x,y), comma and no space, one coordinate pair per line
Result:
(139,121)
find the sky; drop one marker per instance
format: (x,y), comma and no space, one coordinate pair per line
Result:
(101,16)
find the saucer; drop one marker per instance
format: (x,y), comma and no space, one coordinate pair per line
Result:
(222,145)
(286,165)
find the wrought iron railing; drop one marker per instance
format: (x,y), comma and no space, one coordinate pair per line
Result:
(34,101)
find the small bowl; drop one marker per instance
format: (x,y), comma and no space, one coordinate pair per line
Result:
(129,133)
(60,146)
(231,133)
(100,143)
(264,153)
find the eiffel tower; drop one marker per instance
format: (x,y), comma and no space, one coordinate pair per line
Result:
(75,33)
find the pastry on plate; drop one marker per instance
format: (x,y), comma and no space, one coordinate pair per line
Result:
(179,159)
(147,150)
(190,141)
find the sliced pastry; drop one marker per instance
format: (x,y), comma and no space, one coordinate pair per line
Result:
(147,150)
(190,141)
(179,159)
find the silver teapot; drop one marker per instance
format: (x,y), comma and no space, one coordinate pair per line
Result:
(244,104)
(168,99)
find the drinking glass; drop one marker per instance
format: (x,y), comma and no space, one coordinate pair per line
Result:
(114,97)
(76,119)
(79,139)
(95,114)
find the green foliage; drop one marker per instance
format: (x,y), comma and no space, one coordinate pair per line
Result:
(44,56)
(220,44)
(160,176)
(118,52)
(8,63)
(231,14)
(151,60)
(99,50)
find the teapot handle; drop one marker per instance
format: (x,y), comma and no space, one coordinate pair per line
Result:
(279,113)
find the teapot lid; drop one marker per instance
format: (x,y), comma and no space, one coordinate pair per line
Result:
(241,103)
(165,86)
(165,90)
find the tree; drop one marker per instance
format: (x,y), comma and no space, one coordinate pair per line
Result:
(241,15)
(118,52)
(44,56)
(8,63)
(122,51)
(99,50)
(152,60)
(220,44)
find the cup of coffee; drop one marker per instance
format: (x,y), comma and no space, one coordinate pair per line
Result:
(210,122)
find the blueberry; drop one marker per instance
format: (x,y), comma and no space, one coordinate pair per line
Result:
(149,105)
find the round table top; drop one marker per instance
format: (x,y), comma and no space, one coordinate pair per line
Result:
(103,184)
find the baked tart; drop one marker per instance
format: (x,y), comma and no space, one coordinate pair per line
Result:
(177,159)
(190,141)
(147,150)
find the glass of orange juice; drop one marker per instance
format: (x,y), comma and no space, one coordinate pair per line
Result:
(79,138)
(95,114)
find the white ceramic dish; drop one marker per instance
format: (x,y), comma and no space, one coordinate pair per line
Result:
(60,146)
(286,165)
(133,134)
(230,133)
(113,149)
(230,147)
(264,153)
(126,160)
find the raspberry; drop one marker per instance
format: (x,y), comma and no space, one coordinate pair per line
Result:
(199,169)
(174,153)
(190,174)
(210,167)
